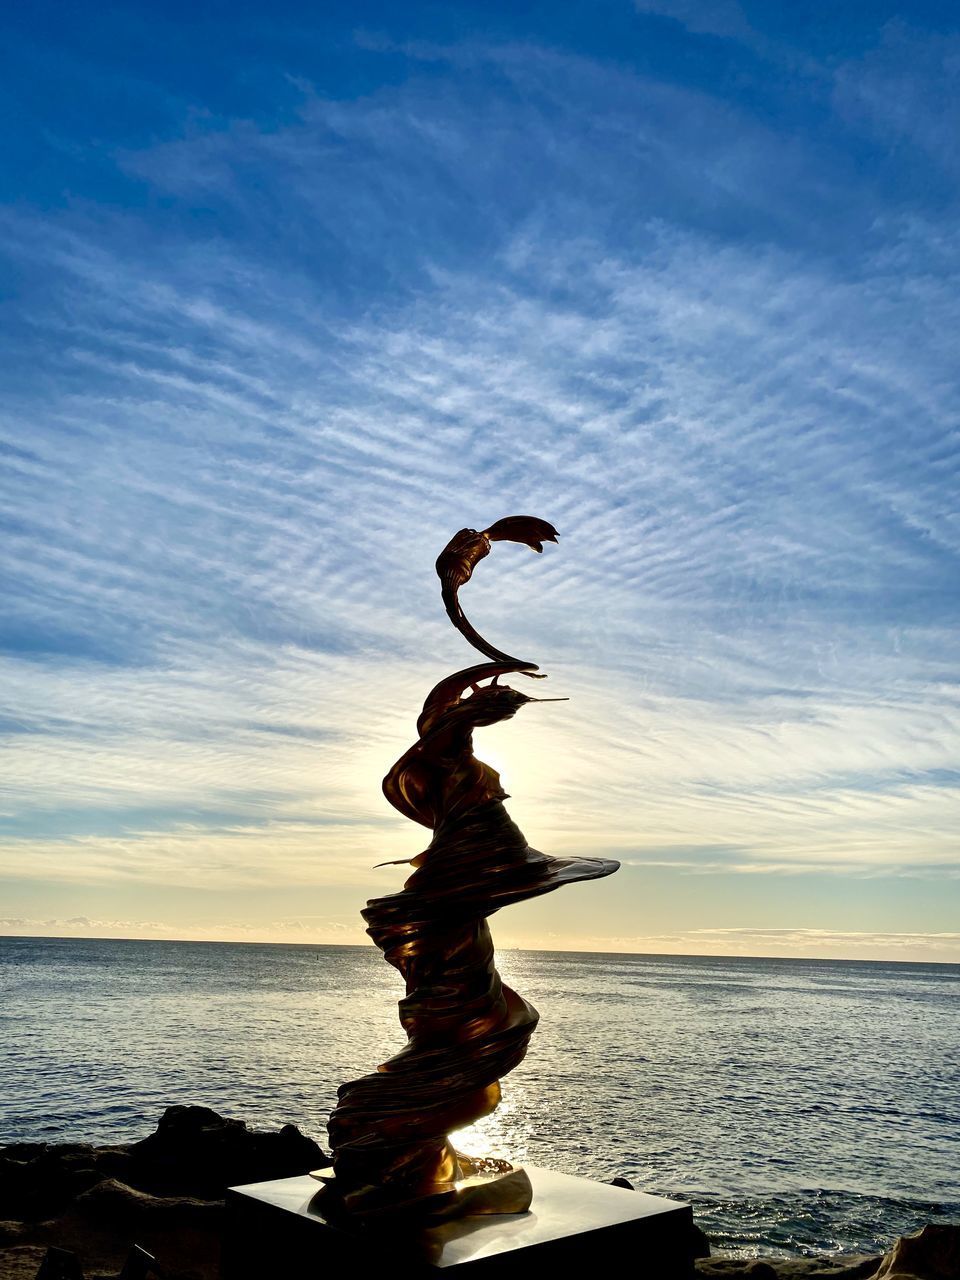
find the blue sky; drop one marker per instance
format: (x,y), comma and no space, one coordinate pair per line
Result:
(291,293)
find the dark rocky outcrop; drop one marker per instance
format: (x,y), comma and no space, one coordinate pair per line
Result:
(116,1203)
(194,1152)
(198,1152)
(165,1192)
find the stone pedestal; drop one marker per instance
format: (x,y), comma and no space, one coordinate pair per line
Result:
(574,1228)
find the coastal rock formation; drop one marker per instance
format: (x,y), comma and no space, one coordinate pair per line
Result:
(931,1254)
(194,1151)
(197,1151)
(116,1203)
(164,1192)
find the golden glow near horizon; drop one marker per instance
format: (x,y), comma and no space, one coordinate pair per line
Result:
(688,796)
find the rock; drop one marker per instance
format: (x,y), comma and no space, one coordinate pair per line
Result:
(117,1203)
(932,1254)
(60,1264)
(37,1179)
(859,1267)
(165,1193)
(114,1162)
(855,1267)
(24,1151)
(22,1262)
(737,1269)
(197,1151)
(76,1181)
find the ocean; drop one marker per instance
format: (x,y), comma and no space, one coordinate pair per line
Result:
(802,1106)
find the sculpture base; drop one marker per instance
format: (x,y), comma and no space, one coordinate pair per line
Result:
(480,1191)
(279,1229)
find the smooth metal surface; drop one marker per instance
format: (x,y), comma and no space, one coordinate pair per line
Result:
(465,1028)
(570,1215)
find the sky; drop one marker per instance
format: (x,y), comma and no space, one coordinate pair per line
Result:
(290,293)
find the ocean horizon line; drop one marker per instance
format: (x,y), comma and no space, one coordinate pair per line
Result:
(360,946)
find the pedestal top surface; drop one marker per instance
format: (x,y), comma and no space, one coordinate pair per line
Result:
(562,1206)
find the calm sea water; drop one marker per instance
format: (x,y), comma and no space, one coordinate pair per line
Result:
(802,1106)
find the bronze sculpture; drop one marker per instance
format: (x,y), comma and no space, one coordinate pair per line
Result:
(466,1029)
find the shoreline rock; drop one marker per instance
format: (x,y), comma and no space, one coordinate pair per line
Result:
(165,1193)
(932,1253)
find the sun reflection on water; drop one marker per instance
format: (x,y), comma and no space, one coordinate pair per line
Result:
(505,1133)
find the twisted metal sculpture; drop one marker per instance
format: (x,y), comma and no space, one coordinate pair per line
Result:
(466,1029)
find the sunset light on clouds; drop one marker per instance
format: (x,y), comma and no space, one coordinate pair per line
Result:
(285,310)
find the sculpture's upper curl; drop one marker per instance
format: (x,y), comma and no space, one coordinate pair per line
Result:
(457,561)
